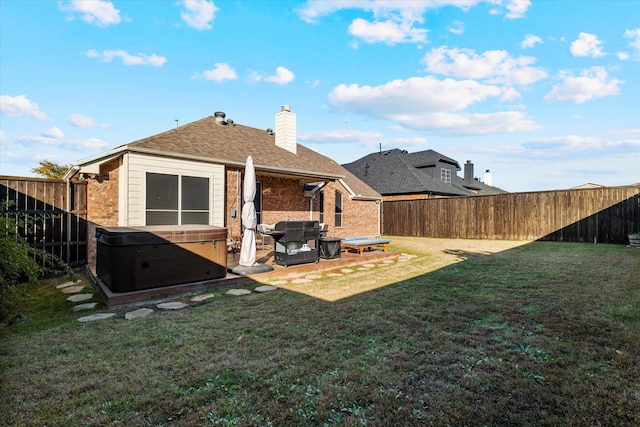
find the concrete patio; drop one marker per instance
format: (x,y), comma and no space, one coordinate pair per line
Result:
(264,255)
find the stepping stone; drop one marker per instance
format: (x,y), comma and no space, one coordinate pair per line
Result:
(279,282)
(388,261)
(265,288)
(136,314)
(175,305)
(73,289)
(238,292)
(80,297)
(299,281)
(97,316)
(313,276)
(347,270)
(335,275)
(86,306)
(369,265)
(203,297)
(363,268)
(65,285)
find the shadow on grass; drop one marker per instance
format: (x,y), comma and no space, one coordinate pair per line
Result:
(541,334)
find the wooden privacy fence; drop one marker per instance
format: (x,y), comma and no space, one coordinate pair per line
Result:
(52,213)
(604,214)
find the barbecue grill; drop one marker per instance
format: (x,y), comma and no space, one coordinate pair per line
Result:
(295,242)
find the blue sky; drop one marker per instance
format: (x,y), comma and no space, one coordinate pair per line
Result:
(545,94)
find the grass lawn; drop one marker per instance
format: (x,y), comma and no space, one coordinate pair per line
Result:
(465,333)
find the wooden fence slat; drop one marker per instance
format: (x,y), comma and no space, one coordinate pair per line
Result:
(604,215)
(44,203)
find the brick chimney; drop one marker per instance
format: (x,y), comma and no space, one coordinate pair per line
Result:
(286,129)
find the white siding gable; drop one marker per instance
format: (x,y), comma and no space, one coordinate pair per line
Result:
(132,185)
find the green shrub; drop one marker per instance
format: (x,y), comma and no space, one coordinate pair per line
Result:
(20,264)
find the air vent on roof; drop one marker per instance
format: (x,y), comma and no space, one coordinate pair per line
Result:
(270,131)
(231,122)
(219,115)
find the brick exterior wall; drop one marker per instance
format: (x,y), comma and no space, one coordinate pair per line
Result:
(102,204)
(283,199)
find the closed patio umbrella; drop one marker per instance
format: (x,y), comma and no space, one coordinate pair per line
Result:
(249,220)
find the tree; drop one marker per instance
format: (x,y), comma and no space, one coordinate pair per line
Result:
(51,170)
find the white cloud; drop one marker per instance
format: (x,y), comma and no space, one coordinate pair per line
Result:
(198,14)
(623,56)
(88,143)
(634,36)
(457,27)
(220,72)
(426,103)
(20,106)
(530,41)
(82,121)
(497,66)
(282,76)
(587,45)
(127,58)
(94,12)
(313,10)
(53,132)
(517,8)
(341,135)
(386,32)
(590,84)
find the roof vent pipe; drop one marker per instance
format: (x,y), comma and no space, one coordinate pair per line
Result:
(219,116)
(487,177)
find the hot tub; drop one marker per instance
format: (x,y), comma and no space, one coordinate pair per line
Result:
(130,259)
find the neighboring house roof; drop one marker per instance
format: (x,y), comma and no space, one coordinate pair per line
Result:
(207,140)
(586,185)
(399,172)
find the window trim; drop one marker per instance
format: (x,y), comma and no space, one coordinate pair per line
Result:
(445,175)
(179,211)
(339,210)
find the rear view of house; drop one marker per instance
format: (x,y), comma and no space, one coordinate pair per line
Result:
(192,175)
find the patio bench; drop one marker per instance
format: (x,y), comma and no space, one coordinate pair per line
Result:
(360,243)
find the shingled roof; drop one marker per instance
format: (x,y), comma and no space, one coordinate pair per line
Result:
(228,143)
(396,172)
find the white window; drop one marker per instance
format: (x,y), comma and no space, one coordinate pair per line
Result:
(445,175)
(176,199)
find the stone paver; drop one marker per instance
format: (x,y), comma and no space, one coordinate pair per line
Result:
(388,261)
(86,306)
(97,316)
(238,292)
(265,288)
(65,285)
(335,275)
(73,289)
(313,276)
(174,305)
(347,270)
(279,282)
(139,313)
(80,297)
(368,265)
(202,297)
(300,281)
